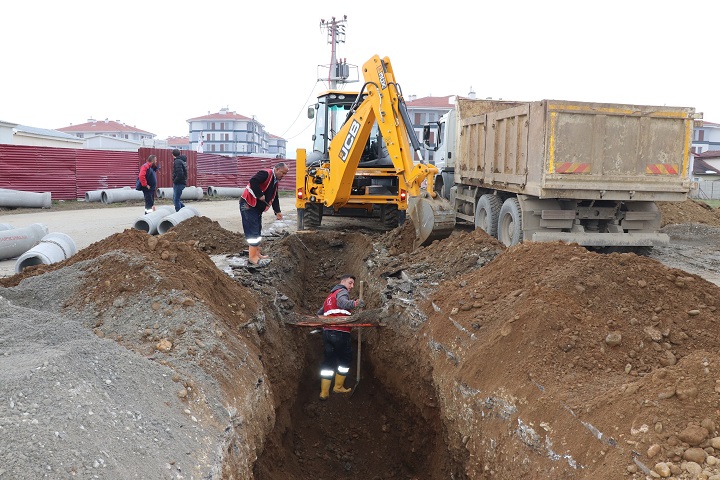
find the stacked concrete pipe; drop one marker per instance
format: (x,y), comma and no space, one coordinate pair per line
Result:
(17,241)
(115,195)
(189,193)
(96,195)
(171,220)
(149,223)
(53,248)
(18,198)
(233,192)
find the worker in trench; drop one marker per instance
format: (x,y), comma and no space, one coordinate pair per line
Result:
(337,340)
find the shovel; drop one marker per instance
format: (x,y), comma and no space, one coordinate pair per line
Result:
(359,349)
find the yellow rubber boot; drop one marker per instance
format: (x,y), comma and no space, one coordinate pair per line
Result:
(340,384)
(325,388)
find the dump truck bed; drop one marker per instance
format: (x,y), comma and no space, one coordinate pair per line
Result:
(565,149)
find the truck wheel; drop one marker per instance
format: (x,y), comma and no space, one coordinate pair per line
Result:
(313,215)
(487,213)
(509,230)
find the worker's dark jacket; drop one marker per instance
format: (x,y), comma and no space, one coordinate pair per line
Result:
(180,171)
(147,175)
(262,183)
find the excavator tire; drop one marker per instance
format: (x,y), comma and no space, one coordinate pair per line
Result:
(390,216)
(313,215)
(433,218)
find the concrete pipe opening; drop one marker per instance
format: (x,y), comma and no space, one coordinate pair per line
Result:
(53,248)
(173,219)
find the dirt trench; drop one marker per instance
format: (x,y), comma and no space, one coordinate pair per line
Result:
(538,361)
(390,427)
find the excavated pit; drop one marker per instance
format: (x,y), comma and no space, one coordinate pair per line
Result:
(538,361)
(384,429)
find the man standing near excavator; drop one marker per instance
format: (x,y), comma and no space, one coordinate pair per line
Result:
(337,340)
(258,196)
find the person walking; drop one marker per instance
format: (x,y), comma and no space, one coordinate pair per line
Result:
(148,182)
(337,340)
(179,178)
(259,195)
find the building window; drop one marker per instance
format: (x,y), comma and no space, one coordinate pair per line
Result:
(222,125)
(212,148)
(701,135)
(212,126)
(227,137)
(418,119)
(222,147)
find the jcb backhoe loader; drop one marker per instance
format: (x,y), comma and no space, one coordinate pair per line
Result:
(362,163)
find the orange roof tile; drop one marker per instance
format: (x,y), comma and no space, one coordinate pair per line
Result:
(221,116)
(102,126)
(431,102)
(178,140)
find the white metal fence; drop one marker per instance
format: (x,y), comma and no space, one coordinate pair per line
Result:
(707,190)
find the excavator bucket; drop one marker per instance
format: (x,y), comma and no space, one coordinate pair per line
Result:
(433,218)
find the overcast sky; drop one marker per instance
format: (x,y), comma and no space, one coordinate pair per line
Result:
(154,64)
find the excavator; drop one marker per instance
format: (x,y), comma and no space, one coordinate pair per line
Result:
(361,164)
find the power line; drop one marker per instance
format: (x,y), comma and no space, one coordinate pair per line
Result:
(301,111)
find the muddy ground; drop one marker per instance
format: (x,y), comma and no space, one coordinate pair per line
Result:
(163,357)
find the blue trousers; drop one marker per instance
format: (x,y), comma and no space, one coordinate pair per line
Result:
(177,193)
(149,198)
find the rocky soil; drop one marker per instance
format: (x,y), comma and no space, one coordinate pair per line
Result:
(140,358)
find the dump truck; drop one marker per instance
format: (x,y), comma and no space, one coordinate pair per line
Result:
(362,161)
(556,170)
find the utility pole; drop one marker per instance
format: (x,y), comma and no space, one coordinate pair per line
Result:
(339,70)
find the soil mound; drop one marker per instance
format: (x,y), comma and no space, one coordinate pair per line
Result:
(580,343)
(689,211)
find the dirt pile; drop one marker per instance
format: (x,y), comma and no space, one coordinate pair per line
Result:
(587,360)
(689,211)
(537,361)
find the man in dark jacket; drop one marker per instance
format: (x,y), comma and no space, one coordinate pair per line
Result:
(259,194)
(148,182)
(179,177)
(337,344)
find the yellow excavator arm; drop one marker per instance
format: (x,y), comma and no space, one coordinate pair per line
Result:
(336,179)
(384,104)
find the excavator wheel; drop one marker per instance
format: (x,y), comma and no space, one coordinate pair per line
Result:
(433,218)
(313,215)
(390,216)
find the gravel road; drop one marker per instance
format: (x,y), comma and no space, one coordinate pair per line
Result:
(88,226)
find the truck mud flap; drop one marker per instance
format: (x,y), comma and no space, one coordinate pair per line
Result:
(604,239)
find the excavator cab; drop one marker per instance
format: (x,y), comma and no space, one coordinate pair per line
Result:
(330,113)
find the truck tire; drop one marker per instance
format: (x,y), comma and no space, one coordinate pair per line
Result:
(487,213)
(509,229)
(313,215)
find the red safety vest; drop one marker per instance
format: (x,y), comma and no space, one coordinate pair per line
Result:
(330,309)
(249,196)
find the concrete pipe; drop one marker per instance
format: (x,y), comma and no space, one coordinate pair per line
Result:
(53,248)
(233,192)
(171,220)
(93,196)
(18,198)
(189,193)
(19,240)
(116,195)
(149,223)
(6,226)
